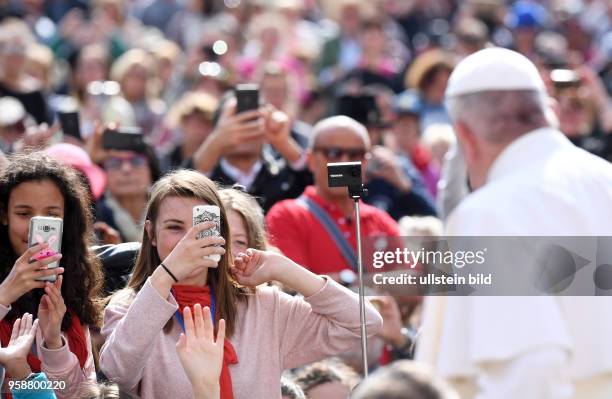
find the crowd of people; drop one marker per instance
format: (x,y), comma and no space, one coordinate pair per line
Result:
(464,114)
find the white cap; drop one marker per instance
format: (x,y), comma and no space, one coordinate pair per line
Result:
(494,69)
(11,111)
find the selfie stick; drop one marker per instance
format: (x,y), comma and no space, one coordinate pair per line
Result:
(356,193)
(348,174)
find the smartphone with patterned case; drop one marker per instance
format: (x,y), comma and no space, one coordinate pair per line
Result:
(208,213)
(49,230)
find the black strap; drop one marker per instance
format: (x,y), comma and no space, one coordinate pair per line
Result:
(169,272)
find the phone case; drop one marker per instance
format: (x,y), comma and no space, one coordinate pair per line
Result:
(247,97)
(49,230)
(124,138)
(207,213)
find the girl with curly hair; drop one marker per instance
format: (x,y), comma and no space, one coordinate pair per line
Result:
(36,185)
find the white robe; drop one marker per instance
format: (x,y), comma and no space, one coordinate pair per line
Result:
(540,185)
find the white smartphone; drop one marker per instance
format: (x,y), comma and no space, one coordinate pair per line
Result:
(208,213)
(49,230)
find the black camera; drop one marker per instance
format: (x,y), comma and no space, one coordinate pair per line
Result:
(46,229)
(346,174)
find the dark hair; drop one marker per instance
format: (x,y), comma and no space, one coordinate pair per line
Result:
(429,76)
(149,152)
(330,370)
(83,277)
(291,390)
(404,379)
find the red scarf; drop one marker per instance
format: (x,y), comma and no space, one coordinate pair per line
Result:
(77,342)
(189,295)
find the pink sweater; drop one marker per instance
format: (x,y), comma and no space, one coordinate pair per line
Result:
(273,332)
(61,364)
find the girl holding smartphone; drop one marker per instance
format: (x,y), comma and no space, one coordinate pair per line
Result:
(36,185)
(266,330)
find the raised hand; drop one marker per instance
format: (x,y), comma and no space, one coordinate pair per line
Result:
(14,356)
(191,253)
(200,354)
(25,272)
(236,128)
(253,267)
(277,125)
(38,137)
(389,169)
(258,267)
(93,145)
(391,331)
(233,129)
(108,235)
(51,311)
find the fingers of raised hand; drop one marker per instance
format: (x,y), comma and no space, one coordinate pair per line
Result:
(189,325)
(33,250)
(25,325)
(221,332)
(16,329)
(44,272)
(199,228)
(207,325)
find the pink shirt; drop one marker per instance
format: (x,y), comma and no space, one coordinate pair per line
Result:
(61,364)
(275,331)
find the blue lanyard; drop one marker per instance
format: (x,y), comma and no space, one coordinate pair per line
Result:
(213,306)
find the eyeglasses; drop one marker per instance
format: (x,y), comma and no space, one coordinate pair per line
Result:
(115,163)
(336,153)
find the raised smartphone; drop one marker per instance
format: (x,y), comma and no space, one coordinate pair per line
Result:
(49,230)
(247,97)
(69,122)
(123,138)
(207,213)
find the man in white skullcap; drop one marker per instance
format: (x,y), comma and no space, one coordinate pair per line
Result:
(527,179)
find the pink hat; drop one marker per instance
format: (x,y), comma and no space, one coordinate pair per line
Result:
(77,158)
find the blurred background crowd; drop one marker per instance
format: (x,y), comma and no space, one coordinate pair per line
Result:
(164,65)
(166,68)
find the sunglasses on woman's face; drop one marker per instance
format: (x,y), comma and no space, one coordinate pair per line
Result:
(115,163)
(337,153)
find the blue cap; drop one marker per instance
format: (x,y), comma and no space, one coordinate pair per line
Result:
(526,14)
(408,102)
